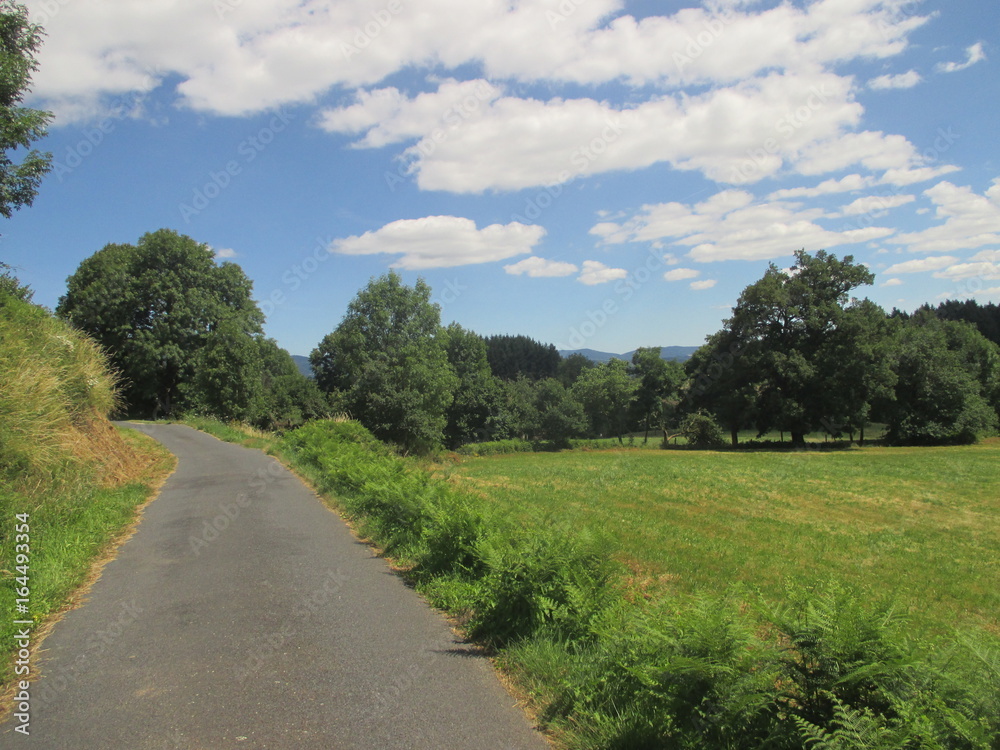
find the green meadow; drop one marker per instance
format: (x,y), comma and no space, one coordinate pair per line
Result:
(921,525)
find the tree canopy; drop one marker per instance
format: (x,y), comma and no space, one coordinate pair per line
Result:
(154,306)
(388,359)
(19,126)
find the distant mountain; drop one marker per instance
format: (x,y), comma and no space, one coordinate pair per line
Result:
(303,364)
(680,353)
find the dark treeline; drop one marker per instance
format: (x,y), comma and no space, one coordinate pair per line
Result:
(799,355)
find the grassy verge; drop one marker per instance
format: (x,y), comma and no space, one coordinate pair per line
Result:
(69,481)
(69,532)
(612,662)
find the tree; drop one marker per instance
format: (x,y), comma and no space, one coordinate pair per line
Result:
(289,397)
(227,380)
(607,393)
(153,306)
(19,126)
(570,368)
(511,357)
(784,324)
(945,370)
(560,416)
(721,380)
(477,396)
(388,358)
(659,384)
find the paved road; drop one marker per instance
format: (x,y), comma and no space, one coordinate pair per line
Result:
(243,614)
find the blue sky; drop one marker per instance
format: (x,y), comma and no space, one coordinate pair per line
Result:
(592,173)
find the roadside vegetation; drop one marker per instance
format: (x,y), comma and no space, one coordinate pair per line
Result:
(67,475)
(639,603)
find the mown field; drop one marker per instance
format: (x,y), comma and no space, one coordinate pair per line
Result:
(919,524)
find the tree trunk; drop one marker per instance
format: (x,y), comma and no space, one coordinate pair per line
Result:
(861,437)
(734,434)
(798,439)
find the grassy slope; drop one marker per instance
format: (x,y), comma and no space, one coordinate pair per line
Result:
(79,479)
(923,523)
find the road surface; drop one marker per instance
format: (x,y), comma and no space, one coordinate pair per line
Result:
(243,614)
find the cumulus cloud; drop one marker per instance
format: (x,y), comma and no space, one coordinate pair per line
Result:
(933,263)
(906,80)
(973,55)
(537,268)
(705,284)
(442,242)
(891,282)
(681,274)
(967,220)
(850,183)
(595,272)
(224,253)
(876,205)
(236,58)
(732,226)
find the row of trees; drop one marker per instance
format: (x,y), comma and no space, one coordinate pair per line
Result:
(797,355)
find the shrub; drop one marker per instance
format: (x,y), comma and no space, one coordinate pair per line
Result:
(702,431)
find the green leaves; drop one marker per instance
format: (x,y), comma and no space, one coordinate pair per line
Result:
(388,358)
(19,126)
(154,307)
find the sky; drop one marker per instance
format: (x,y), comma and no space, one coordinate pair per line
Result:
(601,174)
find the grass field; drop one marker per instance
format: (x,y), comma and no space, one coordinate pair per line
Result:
(919,524)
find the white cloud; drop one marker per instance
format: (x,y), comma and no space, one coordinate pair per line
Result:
(973,55)
(960,271)
(891,282)
(225,253)
(933,263)
(510,143)
(912,175)
(906,80)
(706,284)
(537,268)
(968,220)
(876,205)
(234,58)
(846,184)
(680,274)
(731,226)
(442,242)
(595,272)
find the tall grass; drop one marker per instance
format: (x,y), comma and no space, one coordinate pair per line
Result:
(611,665)
(77,477)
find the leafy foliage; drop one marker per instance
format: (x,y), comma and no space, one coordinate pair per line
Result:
(389,360)
(154,306)
(19,126)
(511,357)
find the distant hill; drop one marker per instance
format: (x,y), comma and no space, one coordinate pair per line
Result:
(680,353)
(303,364)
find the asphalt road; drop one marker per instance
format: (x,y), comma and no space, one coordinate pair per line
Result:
(243,614)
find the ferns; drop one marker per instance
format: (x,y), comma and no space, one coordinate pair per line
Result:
(827,669)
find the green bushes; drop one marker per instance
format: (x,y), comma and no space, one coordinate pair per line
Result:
(496,447)
(825,669)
